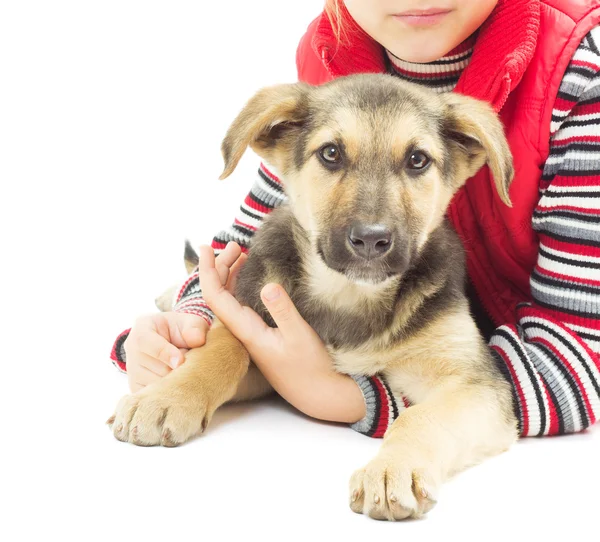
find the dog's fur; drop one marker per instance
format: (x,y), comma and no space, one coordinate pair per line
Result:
(402,313)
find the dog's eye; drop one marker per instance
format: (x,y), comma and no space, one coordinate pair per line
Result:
(330,154)
(418,160)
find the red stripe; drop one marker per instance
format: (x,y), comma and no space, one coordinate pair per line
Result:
(270,174)
(248,226)
(573,373)
(384,414)
(420,75)
(192,277)
(545,314)
(114,356)
(567,278)
(256,206)
(517,386)
(575,139)
(585,64)
(553,413)
(585,109)
(569,248)
(583,210)
(560,104)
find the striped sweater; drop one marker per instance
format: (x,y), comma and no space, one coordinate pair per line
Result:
(551,353)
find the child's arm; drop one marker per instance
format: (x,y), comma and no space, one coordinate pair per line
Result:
(265,195)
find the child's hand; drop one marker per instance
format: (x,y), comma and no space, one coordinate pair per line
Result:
(157,343)
(292,356)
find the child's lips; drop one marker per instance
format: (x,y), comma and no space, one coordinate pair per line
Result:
(428,17)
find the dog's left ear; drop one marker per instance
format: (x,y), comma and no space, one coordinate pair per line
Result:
(473,127)
(265,120)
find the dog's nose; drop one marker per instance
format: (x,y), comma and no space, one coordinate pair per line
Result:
(370,241)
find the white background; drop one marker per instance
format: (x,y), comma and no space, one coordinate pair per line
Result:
(111,117)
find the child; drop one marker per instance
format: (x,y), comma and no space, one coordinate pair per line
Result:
(534,268)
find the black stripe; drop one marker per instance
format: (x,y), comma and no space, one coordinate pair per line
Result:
(373,428)
(118,346)
(592,43)
(503,368)
(242,230)
(431,83)
(194,284)
(560,283)
(262,203)
(573,312)
(590,101)
(595,384)
(561,150)
(275,186)
(560,259)
(392,399)
(566,96)
(442,61)
(565,239)
(581,70)
(573,215)
(587,336)
(225,240)
(577,122)
(251,215)
(574,194)
(559,118)
(524,361)
(569,379)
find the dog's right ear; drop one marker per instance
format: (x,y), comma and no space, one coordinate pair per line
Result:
(264,121)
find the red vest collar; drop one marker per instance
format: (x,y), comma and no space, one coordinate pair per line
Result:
(504,48)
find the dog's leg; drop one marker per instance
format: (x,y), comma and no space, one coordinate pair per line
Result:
(457,427)
(181,404)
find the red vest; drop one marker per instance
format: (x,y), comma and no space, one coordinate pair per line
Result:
(518,62)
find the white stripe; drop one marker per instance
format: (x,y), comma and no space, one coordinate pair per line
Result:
(568,293)
(577,366)
(583,329)
(576,188)
(263,185)
(567,132)
(231,232)
(555,374)
(566,269)
(574,78)
(568,255)
(586,55)
(582,156)
(249,220)
(533,411)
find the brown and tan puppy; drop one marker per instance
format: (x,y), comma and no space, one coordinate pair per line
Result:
(369,164)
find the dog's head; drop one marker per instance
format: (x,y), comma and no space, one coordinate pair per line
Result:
(370,163)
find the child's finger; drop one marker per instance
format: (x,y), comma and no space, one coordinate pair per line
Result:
(235,271)
(226,259)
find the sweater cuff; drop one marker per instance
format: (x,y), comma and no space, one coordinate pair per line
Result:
(190,301)
(117,354)
(382,407)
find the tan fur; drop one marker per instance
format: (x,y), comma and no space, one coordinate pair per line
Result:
(181,405)
(462,410)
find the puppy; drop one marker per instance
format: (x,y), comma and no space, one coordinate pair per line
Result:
(369,164)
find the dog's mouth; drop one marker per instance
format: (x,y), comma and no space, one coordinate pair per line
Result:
(360,270)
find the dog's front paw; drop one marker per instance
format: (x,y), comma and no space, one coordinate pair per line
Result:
(159,416)
(393,486)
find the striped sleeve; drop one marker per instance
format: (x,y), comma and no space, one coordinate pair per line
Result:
(552,353)
(381,405)
(266,194)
